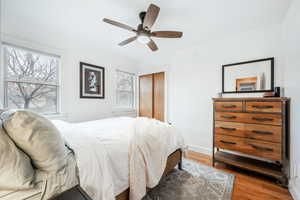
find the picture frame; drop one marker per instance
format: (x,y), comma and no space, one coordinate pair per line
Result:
(92,81)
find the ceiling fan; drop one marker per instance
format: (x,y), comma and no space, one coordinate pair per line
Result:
(143,32)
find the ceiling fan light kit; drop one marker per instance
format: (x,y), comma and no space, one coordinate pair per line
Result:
(143,31)
(143,39)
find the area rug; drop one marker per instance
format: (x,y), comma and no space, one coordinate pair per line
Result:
(194,182)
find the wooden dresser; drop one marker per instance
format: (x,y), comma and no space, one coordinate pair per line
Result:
(253,133)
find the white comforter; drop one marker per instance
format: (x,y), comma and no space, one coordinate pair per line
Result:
(102,151)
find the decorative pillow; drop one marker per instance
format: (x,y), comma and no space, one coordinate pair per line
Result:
(37,137)
(16,171)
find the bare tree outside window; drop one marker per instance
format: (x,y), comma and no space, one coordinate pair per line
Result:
(31,80)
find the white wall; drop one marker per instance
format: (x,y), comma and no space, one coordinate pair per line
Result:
(195,78)
(1,17)
(291,36)
(72,49)
(72,106)
(90,109)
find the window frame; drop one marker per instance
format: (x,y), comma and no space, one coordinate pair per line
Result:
(134,92)
(3,73)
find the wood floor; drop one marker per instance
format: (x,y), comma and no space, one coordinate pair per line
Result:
(248,186)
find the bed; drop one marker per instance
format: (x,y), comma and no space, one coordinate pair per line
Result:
(114,135)
(175,159)
(84,139)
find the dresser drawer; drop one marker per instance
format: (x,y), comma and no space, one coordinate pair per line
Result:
(271,107)
(229,106)
(271,151)
(252,131)
(271,119)
(264,132)
(230,128)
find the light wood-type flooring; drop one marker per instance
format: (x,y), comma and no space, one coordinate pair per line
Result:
(248,186)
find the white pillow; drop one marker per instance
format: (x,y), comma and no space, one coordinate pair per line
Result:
(16,171)
(37,137)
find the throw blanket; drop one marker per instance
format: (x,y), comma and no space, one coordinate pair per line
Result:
(149,151)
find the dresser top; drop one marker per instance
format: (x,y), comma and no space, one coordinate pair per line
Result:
(253,99)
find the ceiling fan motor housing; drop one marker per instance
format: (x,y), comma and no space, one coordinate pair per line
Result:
(141,30)
(142,16)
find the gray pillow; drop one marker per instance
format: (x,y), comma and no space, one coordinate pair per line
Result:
(16,171)
(37,137)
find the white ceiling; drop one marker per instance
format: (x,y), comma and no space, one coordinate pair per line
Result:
(200,20)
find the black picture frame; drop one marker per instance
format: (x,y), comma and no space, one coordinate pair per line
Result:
(83,92)
(272,59)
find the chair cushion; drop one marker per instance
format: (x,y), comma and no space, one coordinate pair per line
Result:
(37,137)
(16,171)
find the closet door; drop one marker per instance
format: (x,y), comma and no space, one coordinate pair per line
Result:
(146,96)
(159,96)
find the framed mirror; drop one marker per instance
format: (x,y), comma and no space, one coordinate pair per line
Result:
(248,77)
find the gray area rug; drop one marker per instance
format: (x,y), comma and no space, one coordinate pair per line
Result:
(195,182)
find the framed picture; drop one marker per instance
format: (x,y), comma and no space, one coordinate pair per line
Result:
(91,81)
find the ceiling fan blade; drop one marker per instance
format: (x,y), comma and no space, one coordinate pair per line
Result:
(167,34)
(151,16)
(128,41)
(152,45)
(118,24)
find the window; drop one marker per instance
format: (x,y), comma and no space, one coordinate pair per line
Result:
(30,80)
(125,90)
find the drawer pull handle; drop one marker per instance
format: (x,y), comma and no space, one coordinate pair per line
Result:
(261,148)
(262,107)
(226,142)
(229,106)
(228,117)
(262,119)
(228,129)
(262,133)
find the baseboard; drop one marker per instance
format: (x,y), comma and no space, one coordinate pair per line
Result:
(294,192)
(199,149)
